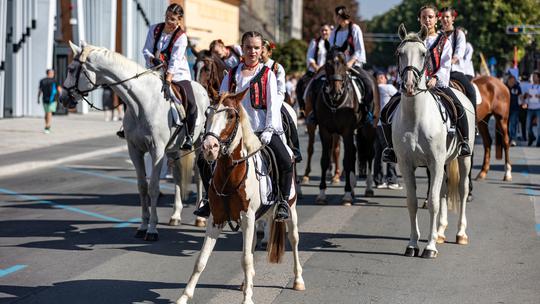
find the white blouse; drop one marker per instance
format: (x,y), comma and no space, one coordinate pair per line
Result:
(178,64)
(281,87)
(260,119)
(319,58)
(358,40)
(233,60)
(443,74)
(459,52)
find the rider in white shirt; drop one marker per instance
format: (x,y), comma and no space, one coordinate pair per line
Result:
(458,42)
(166,44)
(230,54)
(532,99)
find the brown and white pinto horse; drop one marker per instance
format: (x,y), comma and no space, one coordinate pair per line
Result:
(495,102)
(234,194)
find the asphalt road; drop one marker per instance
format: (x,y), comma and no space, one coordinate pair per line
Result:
(66,236)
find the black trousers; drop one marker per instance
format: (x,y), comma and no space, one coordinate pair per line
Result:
(367,83)
(205,170)
(467,85)
(284,164)
(292,135)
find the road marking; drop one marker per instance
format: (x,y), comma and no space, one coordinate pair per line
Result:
(111,177)
(10,270)
(128,223)
(60,206)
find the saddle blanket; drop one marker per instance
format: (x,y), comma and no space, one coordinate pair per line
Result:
(262,167)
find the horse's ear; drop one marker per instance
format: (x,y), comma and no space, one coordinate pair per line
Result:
(83,44)
(214,95)
(239,96)
(74,48)
(423,32)
(402,32)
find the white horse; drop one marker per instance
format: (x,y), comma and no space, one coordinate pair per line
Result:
(146,122)
(420,139)
(235,194)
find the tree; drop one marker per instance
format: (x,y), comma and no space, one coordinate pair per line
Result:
(317,12)
(485,21)
(291,55)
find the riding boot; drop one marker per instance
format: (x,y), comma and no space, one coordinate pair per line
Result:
(388,154)
(463,127)
(292,135)
(204,208)
(190,129)
(282,211)
(205,172)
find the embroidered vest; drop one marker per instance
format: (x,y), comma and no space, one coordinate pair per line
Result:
(435,51)
(165,55)
(348,45)
(257,87)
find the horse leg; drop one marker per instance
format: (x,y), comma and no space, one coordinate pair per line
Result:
(212,234)
(437,175)
(137,158)
(349,162)
(248,232)
(294,238)
(443,215)
(326,140)
(502,126)
(336,139)
(486,139)
(464,167)
(178,205)
(412,205)
(311,141)
(199,221)
(157,162)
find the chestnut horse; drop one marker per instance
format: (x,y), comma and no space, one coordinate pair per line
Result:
(235,194)
(495,102)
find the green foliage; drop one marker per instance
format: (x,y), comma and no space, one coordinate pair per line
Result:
(485,21)
(291,55)
(317,12)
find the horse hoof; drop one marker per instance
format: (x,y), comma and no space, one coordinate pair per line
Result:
(305,180)
(462,240)
(299,286)
(411,252)
(470,198)
(429,254)
(507,179)
(151,237)
(174,222)
(441,239)
(336,180)
(322,201)
(346,203)
(369,193)
(200,223)
(140,234)
(481,176)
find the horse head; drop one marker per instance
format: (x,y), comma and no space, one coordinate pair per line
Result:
(209,72)
(81,78)
(413,58)
(222,126)
(336,73)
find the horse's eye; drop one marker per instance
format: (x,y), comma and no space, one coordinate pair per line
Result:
(230,115)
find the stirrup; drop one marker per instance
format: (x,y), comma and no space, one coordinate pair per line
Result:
(282,211)
(464,149)
(188,143)
(389,155)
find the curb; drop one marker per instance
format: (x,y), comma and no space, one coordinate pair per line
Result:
(34,165)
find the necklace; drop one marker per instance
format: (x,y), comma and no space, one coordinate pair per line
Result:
(250,67)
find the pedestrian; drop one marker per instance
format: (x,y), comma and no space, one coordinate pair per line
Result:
(524,85)
(515,106)
(107,101)
(49,91)
(382,181)
(532,100)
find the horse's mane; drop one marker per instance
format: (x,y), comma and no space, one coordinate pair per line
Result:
(251,141)
(117,59)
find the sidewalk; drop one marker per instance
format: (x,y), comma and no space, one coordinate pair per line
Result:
(25,147)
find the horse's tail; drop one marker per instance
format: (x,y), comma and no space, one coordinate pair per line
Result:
(453,185)
(186,173)
(276,244)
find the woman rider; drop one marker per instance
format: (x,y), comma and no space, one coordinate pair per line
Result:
(348,38)
(166,43)
(264,112)
(458,42)
(438,72)
(231,55)
(279,71)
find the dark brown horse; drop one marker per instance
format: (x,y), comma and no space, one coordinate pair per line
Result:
(338,112)
(209,72)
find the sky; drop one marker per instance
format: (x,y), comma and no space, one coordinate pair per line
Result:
(370,8)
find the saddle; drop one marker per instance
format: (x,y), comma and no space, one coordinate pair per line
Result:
(183,91)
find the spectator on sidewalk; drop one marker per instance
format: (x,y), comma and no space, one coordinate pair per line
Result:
(110,104)
(49,91)
(532,100)
(515,106)
(382,181)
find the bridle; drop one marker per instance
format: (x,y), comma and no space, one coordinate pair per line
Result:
(74,89)
(416,72)
(224,144)
(340,96)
